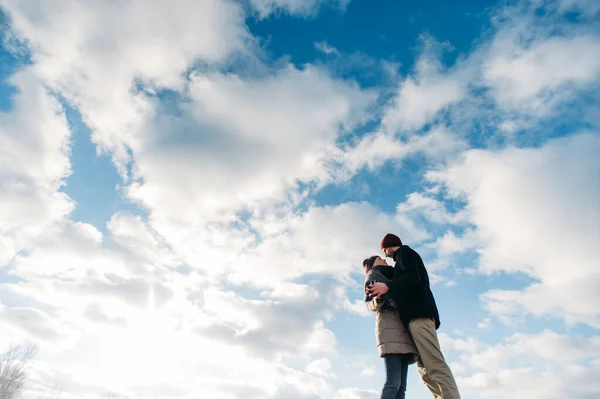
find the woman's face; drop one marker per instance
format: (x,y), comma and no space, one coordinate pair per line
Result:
(380,262)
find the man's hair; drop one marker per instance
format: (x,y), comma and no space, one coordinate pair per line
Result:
(370,261)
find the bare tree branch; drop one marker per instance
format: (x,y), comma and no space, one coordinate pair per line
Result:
(13,371)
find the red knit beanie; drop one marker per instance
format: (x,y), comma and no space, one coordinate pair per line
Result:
(391,240)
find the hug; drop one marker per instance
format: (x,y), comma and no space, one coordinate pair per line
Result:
(407,321)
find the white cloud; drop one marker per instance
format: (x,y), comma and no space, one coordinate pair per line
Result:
(356,393)
(268,328)
(532,76)
(507,368)
(119,303)
(429,91)
(304,8)
(450,244)
(320,367)
(250,133)
(326,48)
(181,376)
(484,323)
(429,208)
(588,7)
(94,53)
(368,372)
(31,324)
(374,150)
(470,345)
(257,134)
(352,231)
(513,80)
(34,161)
(529,220)
(418,102)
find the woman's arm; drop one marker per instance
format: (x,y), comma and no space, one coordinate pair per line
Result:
(375,304)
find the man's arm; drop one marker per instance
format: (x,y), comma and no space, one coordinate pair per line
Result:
(411,277)
(374,279)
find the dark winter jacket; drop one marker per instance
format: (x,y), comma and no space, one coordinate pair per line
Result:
(410,287)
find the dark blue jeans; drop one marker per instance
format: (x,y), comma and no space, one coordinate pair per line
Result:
(396,371)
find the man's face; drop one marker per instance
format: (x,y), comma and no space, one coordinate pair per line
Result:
(388,252)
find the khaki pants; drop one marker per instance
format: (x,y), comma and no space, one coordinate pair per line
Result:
(432,366)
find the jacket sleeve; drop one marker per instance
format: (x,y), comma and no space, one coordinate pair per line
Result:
(376,276)
(400,285)
(375,304)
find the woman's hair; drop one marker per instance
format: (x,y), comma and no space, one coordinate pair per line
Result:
(370,261)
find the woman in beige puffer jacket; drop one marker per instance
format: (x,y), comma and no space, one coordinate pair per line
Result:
(394,342)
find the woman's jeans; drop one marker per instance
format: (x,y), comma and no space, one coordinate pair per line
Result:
(396,370)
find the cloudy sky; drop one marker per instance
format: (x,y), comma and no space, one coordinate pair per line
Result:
(188,188)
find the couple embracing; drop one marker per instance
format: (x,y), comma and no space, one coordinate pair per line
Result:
(406,322)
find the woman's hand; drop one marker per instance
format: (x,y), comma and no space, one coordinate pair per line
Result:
(377,289)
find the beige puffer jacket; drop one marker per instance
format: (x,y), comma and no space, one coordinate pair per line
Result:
(392,335)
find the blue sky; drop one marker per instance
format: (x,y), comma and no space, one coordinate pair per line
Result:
(187,192)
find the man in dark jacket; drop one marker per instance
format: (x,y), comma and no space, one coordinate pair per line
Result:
(411,292)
